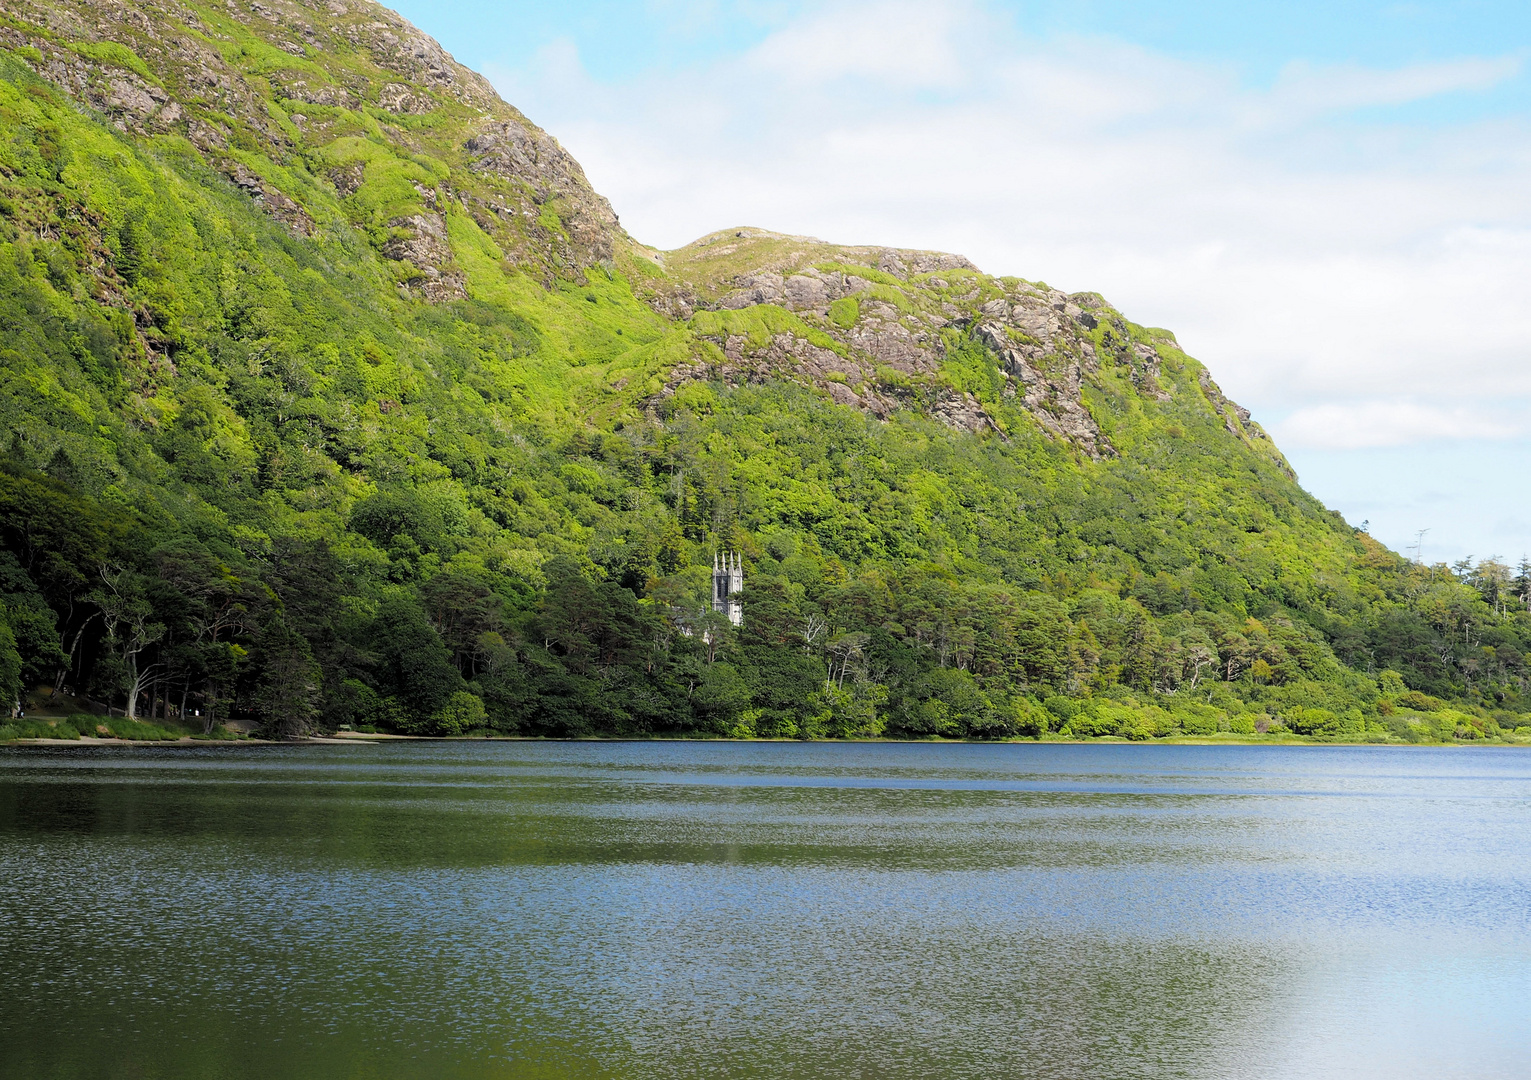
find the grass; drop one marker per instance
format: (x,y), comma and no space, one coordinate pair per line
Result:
(87,724)
(112,52)
(758,324)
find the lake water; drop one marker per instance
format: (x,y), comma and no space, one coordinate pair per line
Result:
(765,910)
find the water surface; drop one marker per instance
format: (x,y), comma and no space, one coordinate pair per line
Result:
(783,910)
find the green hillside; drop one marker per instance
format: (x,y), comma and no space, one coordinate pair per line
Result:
(332,394)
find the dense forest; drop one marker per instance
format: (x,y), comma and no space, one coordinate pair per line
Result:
(332,395)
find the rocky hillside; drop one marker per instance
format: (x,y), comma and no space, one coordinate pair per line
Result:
(333,393)
(314,109)
(890,316)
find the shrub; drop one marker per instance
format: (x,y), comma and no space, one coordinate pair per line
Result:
(1137,728)
(365,710)
(844,312)
(84,723)
(139,730)
(1197,719)
(1451,723)
(1311,721)
(1063,710)
(1419,702)
(462,713)
(1029,718)
(1090,723)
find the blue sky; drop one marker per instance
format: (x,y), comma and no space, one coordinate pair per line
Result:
(1329,203)
(617,40)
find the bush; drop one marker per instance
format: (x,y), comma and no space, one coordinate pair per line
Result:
(1138,728)
(1028,718)
(1197,719)
(1242,724)
(1320,722)
(38,729)
(139,730)
(1452,724)
(1089,723)
(462,713)
(365,710)
(1419,702)
(1063,710)
(1132,721)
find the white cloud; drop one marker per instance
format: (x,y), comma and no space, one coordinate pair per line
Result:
(1306,254)
(1367,424)
(907,42)
(1304,87)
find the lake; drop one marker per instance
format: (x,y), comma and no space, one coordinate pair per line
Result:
(530,909)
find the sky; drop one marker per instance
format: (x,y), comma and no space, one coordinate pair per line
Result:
(1329,203)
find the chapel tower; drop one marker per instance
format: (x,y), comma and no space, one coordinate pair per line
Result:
(727,583)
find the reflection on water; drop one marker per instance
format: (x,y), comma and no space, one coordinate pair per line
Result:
(733,910)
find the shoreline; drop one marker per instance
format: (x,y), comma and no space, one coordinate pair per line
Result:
(364,738)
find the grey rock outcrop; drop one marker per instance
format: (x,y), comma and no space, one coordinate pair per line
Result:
(539,173)
(891,346)
(1052,395)
(423,244)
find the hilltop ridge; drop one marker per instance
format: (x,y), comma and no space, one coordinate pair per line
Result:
(884,311)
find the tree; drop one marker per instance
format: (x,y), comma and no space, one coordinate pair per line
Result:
(462,713)
(413,665)
(212,608)
(131,629)
(1494,582)
(721,697)
(57,537)
(33,623)
(10,668)
(1199,656)
(288,698)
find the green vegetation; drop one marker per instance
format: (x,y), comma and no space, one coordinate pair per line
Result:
(262,460)
(97,727)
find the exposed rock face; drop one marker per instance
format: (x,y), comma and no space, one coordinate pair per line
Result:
(402,100)
(962,411)
(785,357)
(542,173)
(424,246)
(1237,420)
(331,96)
(893,324)
(1053,397)
(282,208)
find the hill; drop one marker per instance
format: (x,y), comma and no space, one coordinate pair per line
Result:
(333,394)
